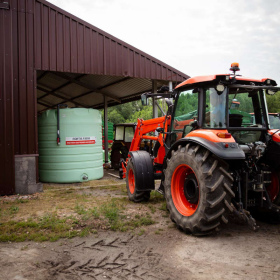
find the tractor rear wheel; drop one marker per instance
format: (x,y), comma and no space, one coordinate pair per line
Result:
(197,190)
(131,185)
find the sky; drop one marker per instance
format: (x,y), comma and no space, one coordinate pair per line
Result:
(197,37)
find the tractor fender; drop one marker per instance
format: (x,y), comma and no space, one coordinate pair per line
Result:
(232,152)
(143,170)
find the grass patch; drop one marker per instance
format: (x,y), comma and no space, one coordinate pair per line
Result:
(158,231)
(79,209)
(141,232)
(152,208)
(72,212)
(156,197)
(163,206)
(47,228)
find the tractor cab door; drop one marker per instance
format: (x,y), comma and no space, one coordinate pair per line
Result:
(185,113)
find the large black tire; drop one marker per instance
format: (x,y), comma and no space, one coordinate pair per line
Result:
(132,192)
(197,190)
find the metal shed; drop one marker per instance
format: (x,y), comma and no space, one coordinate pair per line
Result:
(47,57)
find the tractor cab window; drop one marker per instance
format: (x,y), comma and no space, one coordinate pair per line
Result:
(215,109)
(274,121)
(246,111)
(119,133)
(186,112)
(129,133)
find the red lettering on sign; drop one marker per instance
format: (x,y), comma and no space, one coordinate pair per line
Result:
(83,142)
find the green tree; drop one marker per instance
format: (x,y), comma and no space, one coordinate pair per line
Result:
(273,102)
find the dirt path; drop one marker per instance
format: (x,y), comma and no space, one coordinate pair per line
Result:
(234,253)
(159,251)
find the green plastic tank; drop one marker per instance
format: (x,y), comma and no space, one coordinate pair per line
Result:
(79,156)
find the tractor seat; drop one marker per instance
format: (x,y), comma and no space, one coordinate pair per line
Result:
(235,120)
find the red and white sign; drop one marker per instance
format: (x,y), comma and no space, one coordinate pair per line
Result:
(80,140)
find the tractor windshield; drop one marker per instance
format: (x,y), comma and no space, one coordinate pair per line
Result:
(244,108)
(274,121)
(242,111)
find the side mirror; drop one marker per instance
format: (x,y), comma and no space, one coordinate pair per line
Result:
(163,89)
(270,91)
(144,99)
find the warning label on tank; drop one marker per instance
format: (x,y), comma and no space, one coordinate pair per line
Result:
(80,140)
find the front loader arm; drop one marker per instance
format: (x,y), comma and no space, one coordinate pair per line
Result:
(144,127)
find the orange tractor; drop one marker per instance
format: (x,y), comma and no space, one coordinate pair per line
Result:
(211,161)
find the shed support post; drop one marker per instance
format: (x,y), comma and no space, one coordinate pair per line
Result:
(154,90)
(170,86)
(155,108)
(106,129)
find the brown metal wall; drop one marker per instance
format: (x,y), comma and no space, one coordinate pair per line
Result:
(6,104)
(24,76)
(18,94)
(68,44)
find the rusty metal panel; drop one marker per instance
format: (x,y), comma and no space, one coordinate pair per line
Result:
(7,174)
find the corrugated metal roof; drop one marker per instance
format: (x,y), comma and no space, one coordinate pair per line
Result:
(65,43)
(89,91)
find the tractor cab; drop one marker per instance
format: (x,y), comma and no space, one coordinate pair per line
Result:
(123,135)
(223,105)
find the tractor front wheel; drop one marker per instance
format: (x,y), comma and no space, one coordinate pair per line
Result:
(131,185)
(197,190)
